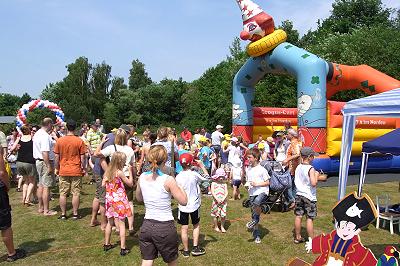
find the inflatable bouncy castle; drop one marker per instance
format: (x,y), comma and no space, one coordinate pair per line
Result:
(317,119)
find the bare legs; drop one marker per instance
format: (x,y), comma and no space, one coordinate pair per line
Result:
(297,227)
(107,235)
(216,227)
(96,206)
(7,236)
(27,189)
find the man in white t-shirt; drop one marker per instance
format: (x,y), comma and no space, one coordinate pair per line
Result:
(189,181)
(43,152)
(257,182)
(216,139)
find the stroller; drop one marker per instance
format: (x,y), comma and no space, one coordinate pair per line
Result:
(280,181)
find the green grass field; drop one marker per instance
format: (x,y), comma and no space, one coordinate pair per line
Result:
(49,241)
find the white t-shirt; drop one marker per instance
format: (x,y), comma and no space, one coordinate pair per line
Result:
(234,155)
(42,141)
(236,173)
(216,138)
(303,183)
(189,180)
(130,155)
(257,174)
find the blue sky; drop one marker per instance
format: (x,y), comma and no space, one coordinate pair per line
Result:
(177,38)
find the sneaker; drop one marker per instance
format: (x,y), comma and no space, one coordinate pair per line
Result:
(251,224)
(257,240)
(198,251)
(19,254)
(185,253)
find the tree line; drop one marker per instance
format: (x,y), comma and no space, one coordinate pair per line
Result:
(356,32)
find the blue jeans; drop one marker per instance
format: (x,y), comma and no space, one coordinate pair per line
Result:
(290,192)
(256,202)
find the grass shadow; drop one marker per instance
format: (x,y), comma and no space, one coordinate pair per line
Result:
(33,247)
(263,232)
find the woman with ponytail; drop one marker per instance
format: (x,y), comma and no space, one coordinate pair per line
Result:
(158,232)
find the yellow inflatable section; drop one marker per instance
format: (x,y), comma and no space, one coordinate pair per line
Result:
(334,139)
(266,131)
(266,44)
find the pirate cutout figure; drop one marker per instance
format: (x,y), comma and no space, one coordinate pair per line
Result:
(343,246)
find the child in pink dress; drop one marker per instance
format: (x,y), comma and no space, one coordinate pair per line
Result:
(219,192)
(117,204)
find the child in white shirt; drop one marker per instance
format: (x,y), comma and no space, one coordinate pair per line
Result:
(257,182)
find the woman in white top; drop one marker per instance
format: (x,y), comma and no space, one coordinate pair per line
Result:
(158,232)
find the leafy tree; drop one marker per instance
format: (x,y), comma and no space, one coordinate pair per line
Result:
(138,77)
(117,84)
(99,88)
(293,34)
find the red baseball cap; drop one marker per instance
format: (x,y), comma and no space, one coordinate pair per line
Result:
(186,158)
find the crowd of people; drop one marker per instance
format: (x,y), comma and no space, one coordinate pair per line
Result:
(154,169)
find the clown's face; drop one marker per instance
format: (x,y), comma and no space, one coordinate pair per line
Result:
(252,31)
(346,230)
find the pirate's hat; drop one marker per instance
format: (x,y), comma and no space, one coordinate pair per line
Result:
(359,210)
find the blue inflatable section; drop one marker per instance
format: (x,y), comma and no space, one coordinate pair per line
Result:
(310,72)
(381,164)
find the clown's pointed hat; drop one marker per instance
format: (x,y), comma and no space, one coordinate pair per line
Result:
(249,9)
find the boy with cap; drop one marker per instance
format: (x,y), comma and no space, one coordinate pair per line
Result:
(305,179)
(189,180)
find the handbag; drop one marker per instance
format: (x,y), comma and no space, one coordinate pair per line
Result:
(280,181)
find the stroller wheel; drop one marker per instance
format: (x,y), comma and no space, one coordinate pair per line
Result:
(246,203)
(265,208)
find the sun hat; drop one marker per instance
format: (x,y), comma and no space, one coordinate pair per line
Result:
(270,139)
(203,139)
(219,127)
(125,127)
(220,172)
(186,158)
(234,139)
(308,151)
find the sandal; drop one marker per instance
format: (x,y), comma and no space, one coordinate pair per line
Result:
(63,217)
(107,247)
(76,217)
(124,251)
(299,241)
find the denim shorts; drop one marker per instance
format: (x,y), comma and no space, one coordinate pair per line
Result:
(236,183)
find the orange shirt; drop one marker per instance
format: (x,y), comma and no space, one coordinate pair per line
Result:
(294,149)
(70,149)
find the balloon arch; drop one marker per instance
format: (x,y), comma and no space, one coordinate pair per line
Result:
(28,107)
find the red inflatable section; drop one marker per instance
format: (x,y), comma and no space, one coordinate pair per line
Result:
(246,132)
(315,138)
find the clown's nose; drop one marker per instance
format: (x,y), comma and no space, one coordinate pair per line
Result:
(245,35)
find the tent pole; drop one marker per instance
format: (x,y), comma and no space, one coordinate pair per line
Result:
(364,163)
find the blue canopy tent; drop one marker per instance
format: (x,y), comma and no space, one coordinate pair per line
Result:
(383,104)
(386,144)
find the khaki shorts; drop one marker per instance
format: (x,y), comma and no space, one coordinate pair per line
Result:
(45,179)
(100,190)
(71,184)
(26,169)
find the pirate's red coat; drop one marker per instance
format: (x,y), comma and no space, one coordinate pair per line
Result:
(356,253)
